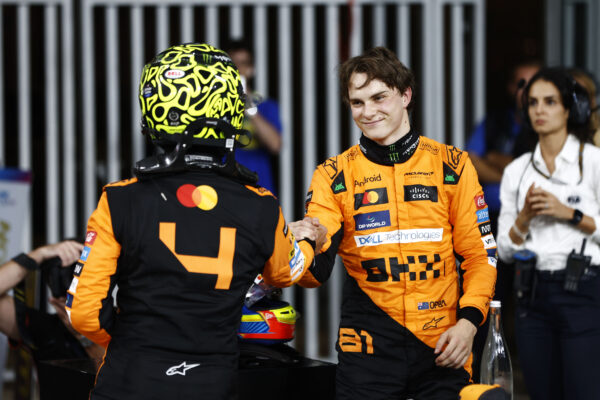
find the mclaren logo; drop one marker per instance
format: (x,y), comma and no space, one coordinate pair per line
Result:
(432,324)
(180,369)
(416,174)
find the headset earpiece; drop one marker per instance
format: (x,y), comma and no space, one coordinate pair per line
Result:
(580,111)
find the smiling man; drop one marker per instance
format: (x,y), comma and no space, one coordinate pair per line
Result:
(398,207)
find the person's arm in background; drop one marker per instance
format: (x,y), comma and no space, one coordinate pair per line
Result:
(267,125)
(486,172)
(509,242)
(488,164)
(12,272)
(498,161)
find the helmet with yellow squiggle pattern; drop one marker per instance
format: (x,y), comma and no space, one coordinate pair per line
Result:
(185,83)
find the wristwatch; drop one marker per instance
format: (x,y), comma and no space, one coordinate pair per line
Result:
(26,262)
(577,217)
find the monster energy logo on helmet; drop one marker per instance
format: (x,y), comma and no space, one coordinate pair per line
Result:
(204,83)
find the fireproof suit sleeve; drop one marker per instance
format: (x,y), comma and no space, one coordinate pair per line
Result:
(469,213)
(290,258)
(323,205)
(89,300)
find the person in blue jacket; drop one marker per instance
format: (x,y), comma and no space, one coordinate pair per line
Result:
(498,138)
(262,121)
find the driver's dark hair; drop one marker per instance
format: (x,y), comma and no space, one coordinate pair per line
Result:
(377,63)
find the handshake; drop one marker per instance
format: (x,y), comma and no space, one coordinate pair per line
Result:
(310,228)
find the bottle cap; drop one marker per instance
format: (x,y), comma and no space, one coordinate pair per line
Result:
(496,303)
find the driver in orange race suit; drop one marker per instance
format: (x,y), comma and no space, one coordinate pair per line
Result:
(399,209)
(183,241)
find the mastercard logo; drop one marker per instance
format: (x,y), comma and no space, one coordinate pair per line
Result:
(370,197)
(203,196)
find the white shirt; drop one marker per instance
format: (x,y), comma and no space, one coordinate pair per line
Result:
(552,239)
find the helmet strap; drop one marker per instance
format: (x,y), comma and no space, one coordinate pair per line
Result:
(179,160)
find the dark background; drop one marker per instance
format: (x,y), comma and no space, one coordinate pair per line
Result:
(515,31)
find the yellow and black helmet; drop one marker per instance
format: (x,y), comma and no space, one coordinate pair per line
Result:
(191,89)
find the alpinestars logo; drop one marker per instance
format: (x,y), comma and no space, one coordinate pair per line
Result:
(374,178)
(433,323)
(180,369)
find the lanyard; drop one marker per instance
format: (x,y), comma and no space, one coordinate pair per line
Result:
(580,165)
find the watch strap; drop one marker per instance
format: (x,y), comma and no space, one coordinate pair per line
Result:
(26,262)
(577,217)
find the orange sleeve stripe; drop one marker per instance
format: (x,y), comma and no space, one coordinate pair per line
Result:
(124,182)
(261,191)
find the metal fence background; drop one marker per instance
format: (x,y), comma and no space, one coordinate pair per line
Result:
(573,34)
(69,111)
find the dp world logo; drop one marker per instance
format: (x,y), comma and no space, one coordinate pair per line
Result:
(373,220)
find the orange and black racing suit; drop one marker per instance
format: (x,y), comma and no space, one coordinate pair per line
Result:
(397,215)
(183,250)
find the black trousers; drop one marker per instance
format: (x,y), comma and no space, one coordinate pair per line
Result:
(558,338)
(398,369)
(149,376)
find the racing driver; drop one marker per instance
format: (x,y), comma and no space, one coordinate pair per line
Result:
(400,210)
(183,241)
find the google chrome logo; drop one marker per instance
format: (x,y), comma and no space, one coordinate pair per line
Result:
(203,196)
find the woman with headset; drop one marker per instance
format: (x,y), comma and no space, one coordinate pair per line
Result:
(550,225)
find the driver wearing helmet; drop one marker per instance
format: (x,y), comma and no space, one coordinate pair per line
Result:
(183,240)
